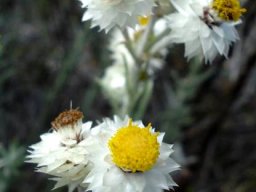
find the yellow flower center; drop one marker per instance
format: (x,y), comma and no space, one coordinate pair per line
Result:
(134,149)
(143,20)
(228,10)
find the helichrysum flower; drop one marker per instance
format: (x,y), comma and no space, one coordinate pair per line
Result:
(129,157)
(111,13)
(62,152)
(206,27)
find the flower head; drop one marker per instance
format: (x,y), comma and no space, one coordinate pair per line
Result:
(228,10)
(133,148)
(129,156)
(111,13)
(206,27)
(62,152)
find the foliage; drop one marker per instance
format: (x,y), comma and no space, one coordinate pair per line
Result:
(11,159)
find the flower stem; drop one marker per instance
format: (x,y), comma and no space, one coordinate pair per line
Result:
(144,39)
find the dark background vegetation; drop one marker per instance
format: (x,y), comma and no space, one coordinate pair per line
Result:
(48,57)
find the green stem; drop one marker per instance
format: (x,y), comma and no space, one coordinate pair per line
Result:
(157,40)
(144,39)
(144,100)
(128,44)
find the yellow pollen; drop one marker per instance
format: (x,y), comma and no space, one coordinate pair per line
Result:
(134,149)
(228,10)
(143,20)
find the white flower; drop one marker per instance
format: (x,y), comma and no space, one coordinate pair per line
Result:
(110,13)
(115,84)
(62,152)
(206,27)
(129,157)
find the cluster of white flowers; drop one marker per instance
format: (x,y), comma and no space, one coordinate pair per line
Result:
(119,154)
(140,40)
(115,155)
(206,27)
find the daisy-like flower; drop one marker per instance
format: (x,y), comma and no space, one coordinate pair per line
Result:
(110,13)
(206,27)
(129,157)
(62,152)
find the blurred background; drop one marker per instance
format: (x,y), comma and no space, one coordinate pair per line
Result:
(48,57)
